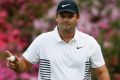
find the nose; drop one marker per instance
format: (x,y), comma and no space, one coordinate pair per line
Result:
(66,19)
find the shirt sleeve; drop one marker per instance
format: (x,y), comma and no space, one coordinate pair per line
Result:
(32,53)
(96,57)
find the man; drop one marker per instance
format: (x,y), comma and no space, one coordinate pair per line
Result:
(65,53)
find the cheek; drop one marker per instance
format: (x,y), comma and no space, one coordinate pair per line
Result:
(74,21)
(56,20)
(59,21)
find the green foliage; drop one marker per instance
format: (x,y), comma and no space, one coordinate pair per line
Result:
(118,3)
(115,24)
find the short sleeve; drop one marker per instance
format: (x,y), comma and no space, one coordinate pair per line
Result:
(32,53)
(96,57)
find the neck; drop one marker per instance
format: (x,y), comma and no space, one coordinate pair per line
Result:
(66,35)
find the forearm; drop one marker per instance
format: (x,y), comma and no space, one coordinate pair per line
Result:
(102,73)
(104,76)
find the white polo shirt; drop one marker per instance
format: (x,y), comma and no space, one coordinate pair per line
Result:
(59,60)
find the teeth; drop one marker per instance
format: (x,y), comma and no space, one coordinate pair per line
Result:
(11,58)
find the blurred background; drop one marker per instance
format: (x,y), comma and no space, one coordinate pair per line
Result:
(21,21)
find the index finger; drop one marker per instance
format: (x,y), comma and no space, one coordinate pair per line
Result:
(5,54)
(9,53)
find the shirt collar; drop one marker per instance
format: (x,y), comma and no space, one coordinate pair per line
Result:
(58,38)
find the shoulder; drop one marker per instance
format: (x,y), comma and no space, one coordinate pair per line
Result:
(87,37)
(89,40)
(45,35)
(91,44)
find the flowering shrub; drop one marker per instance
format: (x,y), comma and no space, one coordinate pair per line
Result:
(22,20)
(101,19)
(17,31)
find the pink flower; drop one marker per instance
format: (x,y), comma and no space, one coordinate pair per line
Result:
(40,25)
(95,32)
(3,41)
(1,78)
(15,36)
(7,74)
(115,14)
(2,45)
(21,45)
(25,76)
(3,14)
(107,44)
(51,12)
(104,24)
(20,23)
(22,10)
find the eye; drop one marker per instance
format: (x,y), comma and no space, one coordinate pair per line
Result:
(70,16)
(66,15)
(62,16)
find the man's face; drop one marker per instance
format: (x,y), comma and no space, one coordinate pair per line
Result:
(67,20)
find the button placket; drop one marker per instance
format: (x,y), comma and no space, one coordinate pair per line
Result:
(69,52)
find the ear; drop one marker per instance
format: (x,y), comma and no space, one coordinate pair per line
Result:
(56,17)
(78,16)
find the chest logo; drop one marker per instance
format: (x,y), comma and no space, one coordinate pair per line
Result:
(78,47)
